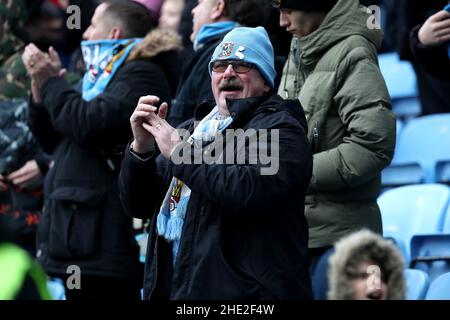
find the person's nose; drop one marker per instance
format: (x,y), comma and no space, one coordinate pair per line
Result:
(229,72)
(86,33)
(284,21)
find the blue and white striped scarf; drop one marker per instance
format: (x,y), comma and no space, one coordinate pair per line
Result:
(102,59)
(171,215)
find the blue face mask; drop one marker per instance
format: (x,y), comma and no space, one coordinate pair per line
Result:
(102,59)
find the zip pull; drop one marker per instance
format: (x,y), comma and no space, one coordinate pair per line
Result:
(314,144)
(315,133)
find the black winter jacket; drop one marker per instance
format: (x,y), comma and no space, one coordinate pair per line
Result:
(245,235)
(83,222)
(194,85)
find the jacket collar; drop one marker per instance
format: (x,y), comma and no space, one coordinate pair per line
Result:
(240,109)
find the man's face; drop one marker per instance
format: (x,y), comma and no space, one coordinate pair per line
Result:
(367,283)
(99,28)
(301,23)
(234,85)
(171,12)
(201,14)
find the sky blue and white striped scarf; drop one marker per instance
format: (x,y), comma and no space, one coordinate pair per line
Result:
(102,59)
(171,215)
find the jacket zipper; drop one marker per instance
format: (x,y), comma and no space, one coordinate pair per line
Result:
(315,139)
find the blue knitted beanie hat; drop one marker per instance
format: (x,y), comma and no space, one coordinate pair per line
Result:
(250,45)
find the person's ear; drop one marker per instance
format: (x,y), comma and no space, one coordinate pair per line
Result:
(266,87)
(116,33)
(218,10)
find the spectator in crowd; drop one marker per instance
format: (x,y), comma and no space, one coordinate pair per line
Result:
(332,69)
(21,278)
(154,6)
(23,165)
(83,222)
(170,17)
(224,231)
(212,19)
(22,162)
(430,47)
(366,267)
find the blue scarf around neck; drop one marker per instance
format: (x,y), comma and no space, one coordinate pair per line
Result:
(207,31)
(102,59)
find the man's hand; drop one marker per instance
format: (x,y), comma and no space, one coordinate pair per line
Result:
(436,30)
(148,126)
(28,177)
(41,67)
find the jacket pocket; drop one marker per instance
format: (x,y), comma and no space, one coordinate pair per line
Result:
(75,221)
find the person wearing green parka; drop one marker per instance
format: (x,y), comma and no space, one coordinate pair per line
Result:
(333,70)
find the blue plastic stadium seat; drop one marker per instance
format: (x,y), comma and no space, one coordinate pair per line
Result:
(399,76)
(413,210)
(401,82)
(417,283)
(439,288)
(446,227)
(400,126)
(423,144)
(443,172)
(407,108)
(431,253)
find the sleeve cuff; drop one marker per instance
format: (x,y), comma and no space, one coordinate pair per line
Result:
(141,156)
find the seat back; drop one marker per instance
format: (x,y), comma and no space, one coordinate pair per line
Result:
(439,288)
(401,82)
(425,142)
(431,254)
(417,283)
(411,210)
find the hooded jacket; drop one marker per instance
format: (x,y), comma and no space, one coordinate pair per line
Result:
(244,234)
(365,246)
(82,220)
(334,73)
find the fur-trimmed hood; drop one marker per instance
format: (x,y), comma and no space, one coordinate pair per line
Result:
(359,247)
(155,42)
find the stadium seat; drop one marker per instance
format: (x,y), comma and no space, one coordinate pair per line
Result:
(431,253)
(446,228)
(407,108)
(439,288)
(421,153)
(400,126)
(413,210)
(402,85)
(443,172)
(417,283)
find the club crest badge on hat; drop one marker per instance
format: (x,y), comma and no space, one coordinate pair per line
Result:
(226,50)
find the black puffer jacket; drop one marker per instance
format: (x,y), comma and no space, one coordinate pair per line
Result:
(82,220)
(245,235)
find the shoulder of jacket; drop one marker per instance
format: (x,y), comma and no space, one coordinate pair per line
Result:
(351,49)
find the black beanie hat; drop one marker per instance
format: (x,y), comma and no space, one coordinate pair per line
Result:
(305,5)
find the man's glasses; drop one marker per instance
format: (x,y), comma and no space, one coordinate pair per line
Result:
(238,66)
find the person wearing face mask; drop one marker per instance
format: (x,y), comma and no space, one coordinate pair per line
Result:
(365,266)
(225,223)
(83,223)
(333,71)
